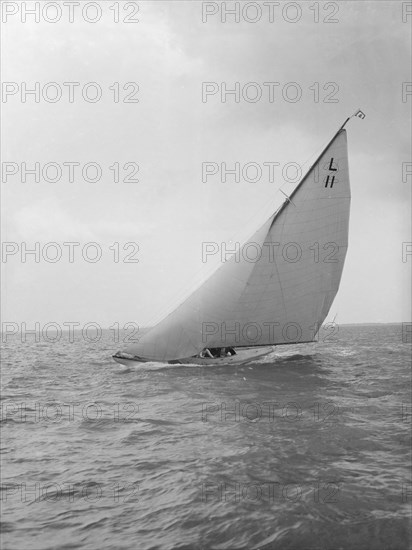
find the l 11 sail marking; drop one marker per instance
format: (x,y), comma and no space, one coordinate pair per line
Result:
(330,177)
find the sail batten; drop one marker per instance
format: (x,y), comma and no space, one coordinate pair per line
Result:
(284,293)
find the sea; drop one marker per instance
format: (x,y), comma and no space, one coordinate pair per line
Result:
(308,448)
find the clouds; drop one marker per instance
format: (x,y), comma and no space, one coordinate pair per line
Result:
(170,132)
(47,220)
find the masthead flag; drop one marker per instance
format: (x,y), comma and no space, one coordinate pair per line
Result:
(359,114)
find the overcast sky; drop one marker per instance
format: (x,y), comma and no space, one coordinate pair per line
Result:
(362,60)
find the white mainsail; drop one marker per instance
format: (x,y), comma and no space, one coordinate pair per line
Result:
(279,289)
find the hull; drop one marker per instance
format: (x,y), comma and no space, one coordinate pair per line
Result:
(243,356)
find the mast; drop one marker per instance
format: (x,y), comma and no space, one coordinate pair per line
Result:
(359,114)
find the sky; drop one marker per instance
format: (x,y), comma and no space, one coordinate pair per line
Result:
(161,57)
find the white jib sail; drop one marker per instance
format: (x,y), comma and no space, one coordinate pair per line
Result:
(280,287)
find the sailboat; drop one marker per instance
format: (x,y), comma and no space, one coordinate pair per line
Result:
(281,295)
